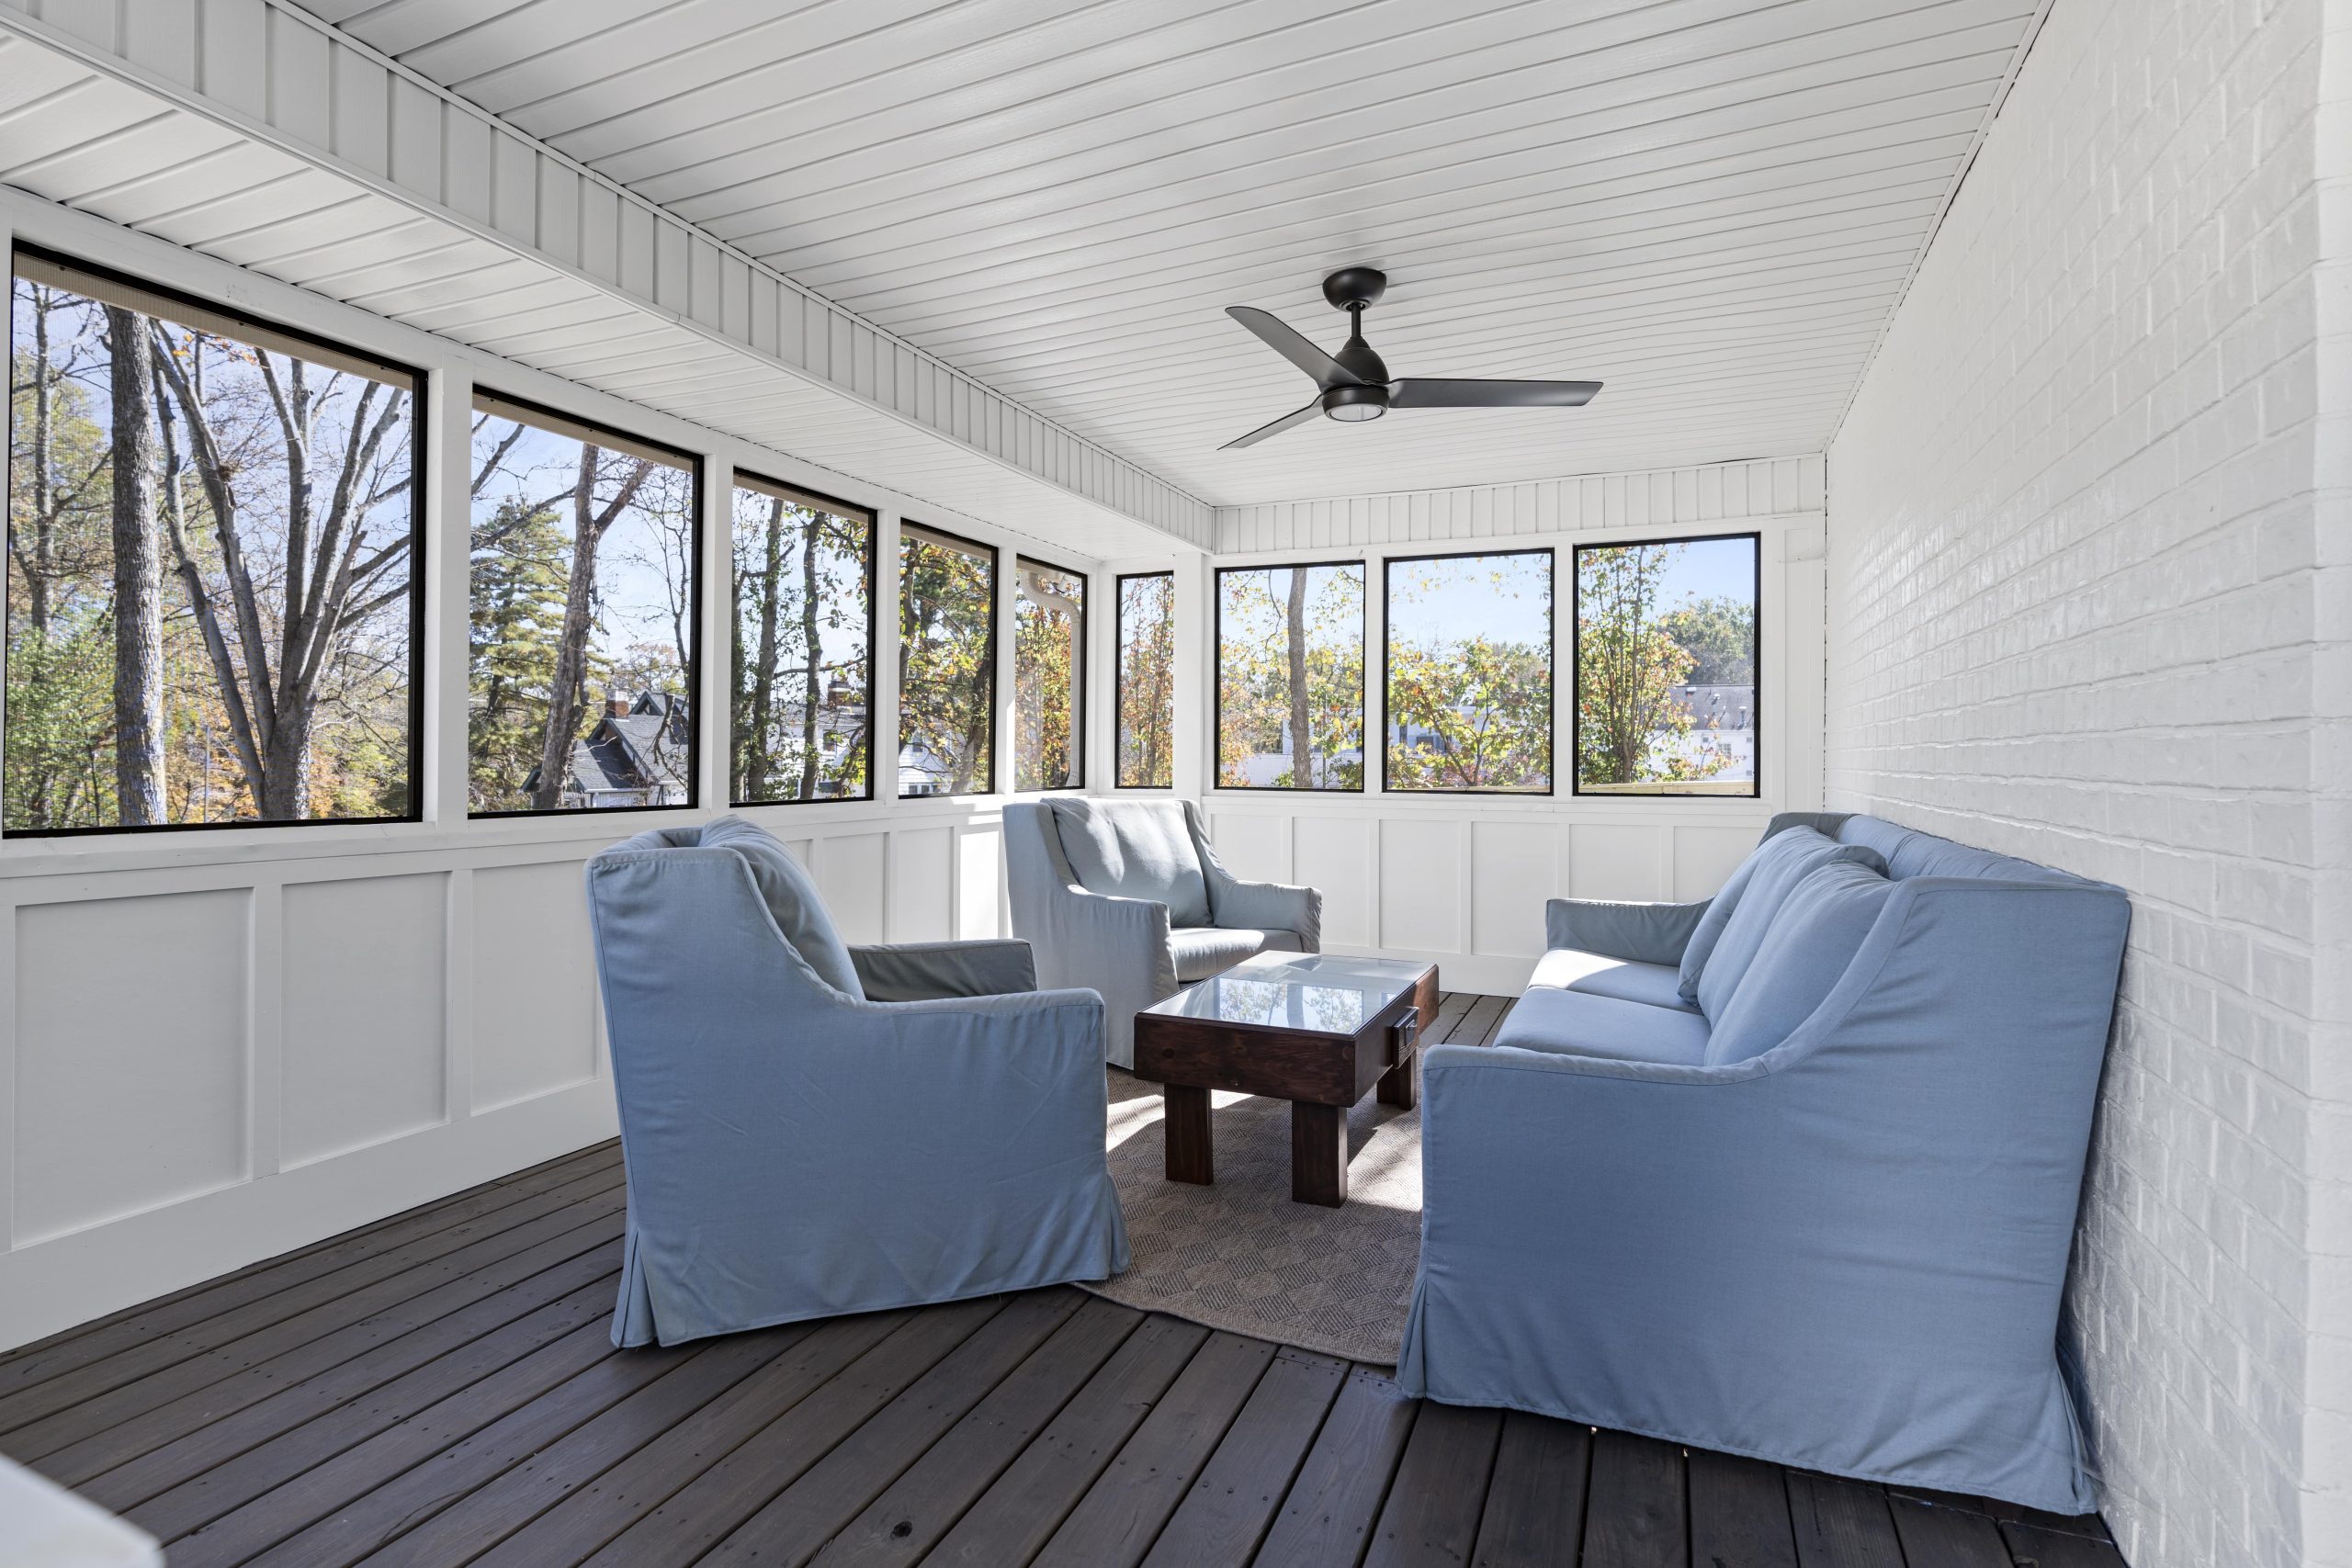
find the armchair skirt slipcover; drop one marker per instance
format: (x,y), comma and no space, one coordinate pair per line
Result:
(797,1150)
(1128,899)
(1845,1252)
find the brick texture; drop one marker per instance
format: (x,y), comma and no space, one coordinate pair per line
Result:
(2086,605)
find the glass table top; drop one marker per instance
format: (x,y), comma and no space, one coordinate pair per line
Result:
(1320,993)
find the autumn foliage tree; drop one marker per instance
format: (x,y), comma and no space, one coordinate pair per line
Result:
(1146,680)
(1470,672)
(946,660)
(803,607)
(1048,675)
(1632,732)
(1290,675)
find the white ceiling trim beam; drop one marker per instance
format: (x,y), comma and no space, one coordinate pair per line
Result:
(270,71)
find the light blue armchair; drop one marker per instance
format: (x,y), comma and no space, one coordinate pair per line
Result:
(811,1129)
(1793,1176)
(1127,897)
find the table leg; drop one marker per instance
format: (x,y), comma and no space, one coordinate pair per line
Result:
(1187,1130)
(1318,1154)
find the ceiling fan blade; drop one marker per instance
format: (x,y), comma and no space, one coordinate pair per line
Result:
(1428,394)
(1295,346)
(1300,417)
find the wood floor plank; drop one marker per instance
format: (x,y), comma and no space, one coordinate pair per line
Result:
(902,1523)
(140,1348)
(1433,1512)
(202,1499)
(1327,1518)
(85,1342)
(66,1408)
(1226,1511)
(1934,1537)
(1740,1513)
(707,1509)
(491,1512)
(2057,1549)
(1535,1501)
(186,1394)
(1840,1524)
(1477,1025)
(1451,1006)
(582,1522)
(798,1523)
(1121,1515)
(199,1477)
(1633,1509)
(353,1479)
(1015,1518)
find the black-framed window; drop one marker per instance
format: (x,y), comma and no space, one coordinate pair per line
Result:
(1467,702)
(801,672)
(1667,636)
(1048,676)
(584,616)
(214,607)
(1146,694)
(946,663)
(1290,660)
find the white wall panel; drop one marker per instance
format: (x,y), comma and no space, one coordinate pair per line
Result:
(1252,846)
(534,1023)
(131,1025)
(1703,857)
(365,1055)
(1619,860)
(980,883)
(1420,885)
(922,880)
(1334,853)
(850,870)
(1513,874)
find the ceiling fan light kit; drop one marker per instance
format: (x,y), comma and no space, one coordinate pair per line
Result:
(1355,382)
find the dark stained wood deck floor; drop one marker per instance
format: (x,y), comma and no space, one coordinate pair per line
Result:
(438,1389)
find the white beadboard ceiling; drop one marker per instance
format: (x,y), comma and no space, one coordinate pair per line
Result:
(1711,206)
(251,131)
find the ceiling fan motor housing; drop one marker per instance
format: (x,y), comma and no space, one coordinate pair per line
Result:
(1355,404)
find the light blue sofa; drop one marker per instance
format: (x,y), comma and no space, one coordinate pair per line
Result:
(1792,1173)
(1128,899)
(812,1129)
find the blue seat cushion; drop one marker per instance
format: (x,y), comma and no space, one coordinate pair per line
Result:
(1579,1024)
(1793,854)
(1203,951)
(1135,849)
(1810,947)
(1566,969)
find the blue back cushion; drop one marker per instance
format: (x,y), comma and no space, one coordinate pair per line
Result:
(1777,850)
(1776,866)
(1811,946)
(790,894)
(1135,849)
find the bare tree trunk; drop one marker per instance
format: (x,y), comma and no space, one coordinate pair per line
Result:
(1300,777)
(44,521)
(138,593)
(571,644)
(588,529)
(811,691)
(762,714)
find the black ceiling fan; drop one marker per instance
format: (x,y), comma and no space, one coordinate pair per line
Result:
(1355,385)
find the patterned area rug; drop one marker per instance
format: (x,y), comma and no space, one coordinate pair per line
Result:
(1241,1255)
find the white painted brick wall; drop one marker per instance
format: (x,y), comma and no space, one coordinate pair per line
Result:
(2084,606)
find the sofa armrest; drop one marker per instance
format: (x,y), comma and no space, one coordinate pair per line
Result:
(1640,933)
(914,971)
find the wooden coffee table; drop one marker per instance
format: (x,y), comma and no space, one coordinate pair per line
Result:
(1314,1029)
